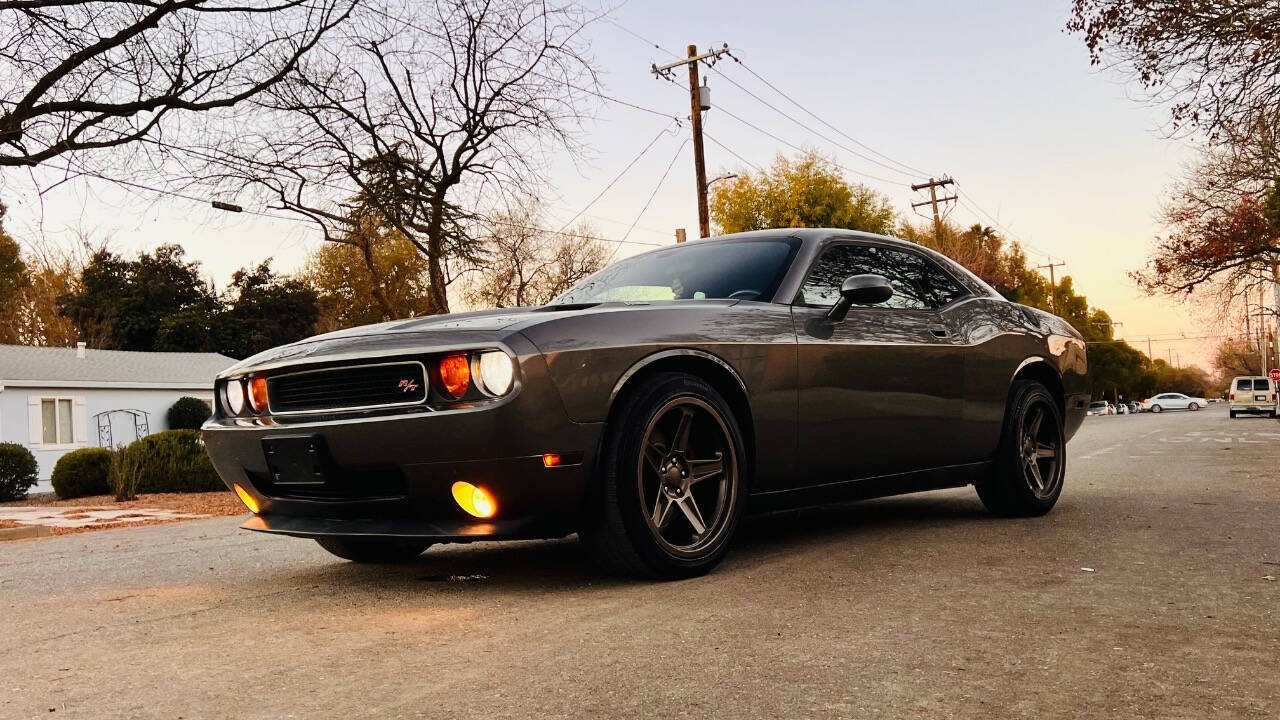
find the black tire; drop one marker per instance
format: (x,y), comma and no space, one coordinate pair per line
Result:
(1014,490)
(620,533)
(1193,407)
(1156,409)
(374,551)
(1232,413)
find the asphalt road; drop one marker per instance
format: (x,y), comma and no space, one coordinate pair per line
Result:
(920,606)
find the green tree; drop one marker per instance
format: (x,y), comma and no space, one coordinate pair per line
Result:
(15,278)
(141,304)
(263,310)
(807,191)
(372,275)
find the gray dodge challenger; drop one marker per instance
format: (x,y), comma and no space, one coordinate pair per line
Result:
(652,406)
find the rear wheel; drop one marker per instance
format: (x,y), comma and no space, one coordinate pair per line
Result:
(672,483)
(374,551)
(1031,462)
(1156,409)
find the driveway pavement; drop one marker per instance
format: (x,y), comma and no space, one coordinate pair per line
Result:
(1150,592)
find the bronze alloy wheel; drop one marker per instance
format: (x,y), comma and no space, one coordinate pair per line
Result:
(687,475)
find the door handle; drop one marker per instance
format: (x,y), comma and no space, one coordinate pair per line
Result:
(940,333)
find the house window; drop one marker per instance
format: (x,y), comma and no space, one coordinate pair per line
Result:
(55,421)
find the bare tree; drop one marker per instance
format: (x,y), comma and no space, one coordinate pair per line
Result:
(78,75)
(526,265)
(422,114)
(1216,63)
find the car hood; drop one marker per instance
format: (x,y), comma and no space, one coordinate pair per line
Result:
(432,333)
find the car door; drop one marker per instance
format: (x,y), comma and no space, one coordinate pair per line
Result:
(880,392)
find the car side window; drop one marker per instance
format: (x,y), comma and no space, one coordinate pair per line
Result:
(918,283)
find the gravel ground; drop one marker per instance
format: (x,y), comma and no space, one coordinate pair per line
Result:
(1149,592)
(217,504)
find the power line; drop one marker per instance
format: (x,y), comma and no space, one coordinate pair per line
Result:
(618,177)
(836,143)
(729,150)
(801,149)
(912,170)
(656,188)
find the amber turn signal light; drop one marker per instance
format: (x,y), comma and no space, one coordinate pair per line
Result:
(455,375)
(258,394)
(246,498)
(475,500)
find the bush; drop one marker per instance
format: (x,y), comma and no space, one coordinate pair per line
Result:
(169,461)
(18,470)
(81,473)
(188,413)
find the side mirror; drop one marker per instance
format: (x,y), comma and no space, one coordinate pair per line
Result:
(860,290)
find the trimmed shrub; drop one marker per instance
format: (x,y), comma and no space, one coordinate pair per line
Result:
(18,470)
(169,461)
(188,413)
(82,472)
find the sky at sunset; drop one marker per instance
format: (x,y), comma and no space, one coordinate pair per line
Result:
(993,94)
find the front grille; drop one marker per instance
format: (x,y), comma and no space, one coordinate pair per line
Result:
(348,388)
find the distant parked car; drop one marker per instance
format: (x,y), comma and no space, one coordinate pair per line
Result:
(1173,401)
(1253,395)
(1099,407)
(1135,407)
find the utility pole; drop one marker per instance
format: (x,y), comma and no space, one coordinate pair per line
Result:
(697,103)
(1053,285)
(1153,357)
(933,201)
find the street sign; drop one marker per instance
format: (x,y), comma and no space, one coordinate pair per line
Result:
(1275,374)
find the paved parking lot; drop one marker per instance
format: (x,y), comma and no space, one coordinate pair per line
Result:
(1149,592)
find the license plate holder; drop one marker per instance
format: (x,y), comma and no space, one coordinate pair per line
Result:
(298,460)
(1263,398)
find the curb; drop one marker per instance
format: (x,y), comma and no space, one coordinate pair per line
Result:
(24,533)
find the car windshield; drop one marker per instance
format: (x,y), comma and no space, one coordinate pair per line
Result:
(742,270)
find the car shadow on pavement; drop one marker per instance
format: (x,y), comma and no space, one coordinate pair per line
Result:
(551,565)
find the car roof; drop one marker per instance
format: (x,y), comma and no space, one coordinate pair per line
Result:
(812,240)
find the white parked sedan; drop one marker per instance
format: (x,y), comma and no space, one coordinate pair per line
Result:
(1173,401)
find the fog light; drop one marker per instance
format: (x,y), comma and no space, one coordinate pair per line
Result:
(475,500)
(246,498)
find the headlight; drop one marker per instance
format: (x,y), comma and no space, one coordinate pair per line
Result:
(497,372)
(233,396)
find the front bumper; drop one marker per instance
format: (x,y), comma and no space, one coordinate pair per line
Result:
(392,475)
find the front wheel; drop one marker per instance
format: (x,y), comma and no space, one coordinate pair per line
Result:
(672,485)
(1032,459)
(1156,409)
(374,551)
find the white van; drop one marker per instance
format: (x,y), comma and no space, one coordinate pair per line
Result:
(1252,394)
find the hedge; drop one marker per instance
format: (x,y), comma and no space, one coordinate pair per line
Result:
(188,413)
(83,472)
(169,461)
(18,470)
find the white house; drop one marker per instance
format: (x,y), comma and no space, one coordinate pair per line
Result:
(55,399)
